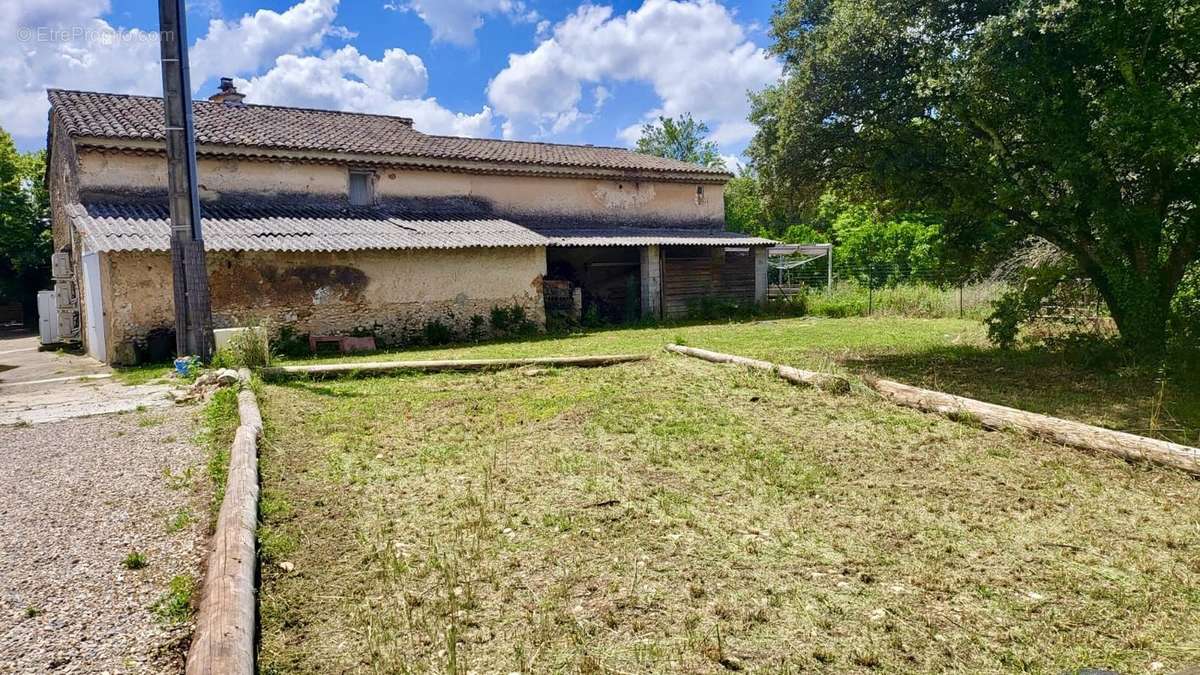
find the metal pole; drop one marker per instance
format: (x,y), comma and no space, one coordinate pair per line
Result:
(870,291)
(828,268)
(193,314)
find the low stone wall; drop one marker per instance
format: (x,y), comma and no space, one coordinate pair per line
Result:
(393,295)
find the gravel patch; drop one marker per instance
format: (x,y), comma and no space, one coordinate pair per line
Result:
(76,498)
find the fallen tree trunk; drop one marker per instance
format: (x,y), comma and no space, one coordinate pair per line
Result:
(223,642)
(823,381)
(335,369)
(1075,434)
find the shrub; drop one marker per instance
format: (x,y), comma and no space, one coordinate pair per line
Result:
(1021,304)
(436,332)
(245,349)
(511,320)
(1185,319)
(477,325)
(289,343)
(592,318)
(796,305)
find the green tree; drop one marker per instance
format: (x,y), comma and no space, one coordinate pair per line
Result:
(748,210)
(886,251)
(744,209)
(24,237)
(1077,122)
(684,139)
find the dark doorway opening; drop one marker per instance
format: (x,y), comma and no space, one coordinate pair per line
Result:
(609,278)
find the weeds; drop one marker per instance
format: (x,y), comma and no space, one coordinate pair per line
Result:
(135,561)
(218,426)
(178,481)
(248,348)
(180,521)
(174,607)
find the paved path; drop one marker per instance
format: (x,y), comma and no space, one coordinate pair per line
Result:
(76,498)
(38,387)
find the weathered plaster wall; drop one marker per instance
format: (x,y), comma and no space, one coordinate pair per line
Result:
(394,294)
(63,185)
(629,201)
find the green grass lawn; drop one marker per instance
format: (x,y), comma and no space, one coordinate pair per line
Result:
(944,354)
(679,516)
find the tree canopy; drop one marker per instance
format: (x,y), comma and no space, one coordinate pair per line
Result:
(1075,122)
(684,139)
(24,236)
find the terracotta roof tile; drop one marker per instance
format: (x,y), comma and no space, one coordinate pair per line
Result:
(125,117)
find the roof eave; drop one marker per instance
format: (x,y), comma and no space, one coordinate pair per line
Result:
(464,165)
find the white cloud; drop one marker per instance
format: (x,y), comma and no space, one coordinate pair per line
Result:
(69,45)
(348,80)
(60,44)
(692,52)
(733,163)
(600,95)
(245,45)
(455,21)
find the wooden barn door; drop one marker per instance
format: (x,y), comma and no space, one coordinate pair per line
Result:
(692,273)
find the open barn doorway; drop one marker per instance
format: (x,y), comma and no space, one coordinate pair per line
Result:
(605,282)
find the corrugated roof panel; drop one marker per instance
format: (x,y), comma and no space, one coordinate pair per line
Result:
(115,227)
(627,236)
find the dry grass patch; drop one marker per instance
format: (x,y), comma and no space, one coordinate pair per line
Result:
(680,516)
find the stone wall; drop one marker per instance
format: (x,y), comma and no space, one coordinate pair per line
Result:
(393,295)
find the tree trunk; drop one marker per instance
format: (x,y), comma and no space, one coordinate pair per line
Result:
(1140,303)
(1141,308)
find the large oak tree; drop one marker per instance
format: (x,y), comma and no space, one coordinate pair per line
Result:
(1077,121)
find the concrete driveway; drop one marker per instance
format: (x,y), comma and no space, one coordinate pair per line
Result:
(38,387)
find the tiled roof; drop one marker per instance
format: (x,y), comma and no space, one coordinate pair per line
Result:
(145,227)
(124,117)
(627,236)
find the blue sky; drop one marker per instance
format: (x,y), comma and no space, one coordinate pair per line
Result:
(524,69)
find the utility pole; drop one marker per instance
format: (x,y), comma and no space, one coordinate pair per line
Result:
(193,314)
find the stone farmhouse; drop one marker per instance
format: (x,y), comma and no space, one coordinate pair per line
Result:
(331,222)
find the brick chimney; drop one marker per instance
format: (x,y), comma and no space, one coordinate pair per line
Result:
(228,94)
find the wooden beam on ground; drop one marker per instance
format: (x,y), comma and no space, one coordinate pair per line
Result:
(378,367)
(1075,434)
(824,381)
(223,642)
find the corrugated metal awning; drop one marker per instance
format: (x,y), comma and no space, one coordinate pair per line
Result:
(664,236)
(141,227)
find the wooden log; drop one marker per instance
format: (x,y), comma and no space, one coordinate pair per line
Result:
(1065,432)
(248,411)
(223,642)
(823,381)
(335,369)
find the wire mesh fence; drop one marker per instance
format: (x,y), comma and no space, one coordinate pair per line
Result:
(832,287)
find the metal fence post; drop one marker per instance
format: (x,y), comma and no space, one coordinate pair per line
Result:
(829,268)
(870,292)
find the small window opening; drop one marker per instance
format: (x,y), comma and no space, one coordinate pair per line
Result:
(699,194)
(362,188)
